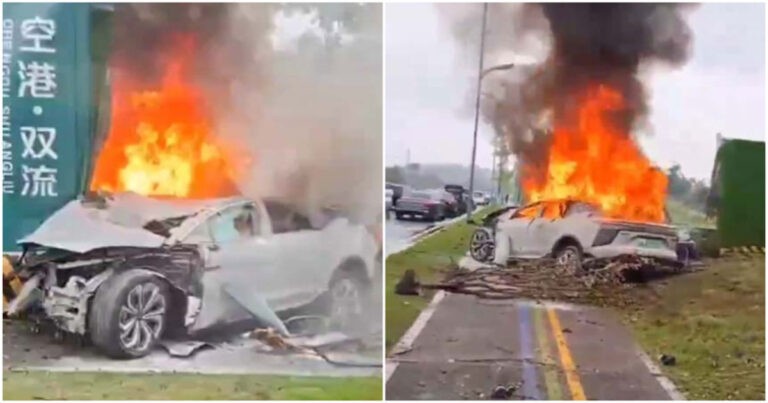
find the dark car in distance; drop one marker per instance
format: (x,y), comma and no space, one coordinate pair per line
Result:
(424,204)
(460,196)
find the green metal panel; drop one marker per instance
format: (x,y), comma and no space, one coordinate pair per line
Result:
(741,210)
(46,111)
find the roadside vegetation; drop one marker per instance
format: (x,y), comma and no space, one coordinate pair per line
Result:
(713,323)
(684,215)
(429,259)
(42,385)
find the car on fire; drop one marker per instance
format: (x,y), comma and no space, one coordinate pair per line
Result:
(126,270)
(569,231)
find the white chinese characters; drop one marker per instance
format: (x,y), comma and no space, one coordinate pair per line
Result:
(37,79)
(37,35)
(39,181)
(42,136)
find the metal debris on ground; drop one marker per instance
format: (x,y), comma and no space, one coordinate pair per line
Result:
(668,360)
(545,279)
(277,343)
(503,392)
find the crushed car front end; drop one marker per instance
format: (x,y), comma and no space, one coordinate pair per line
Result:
(60,285)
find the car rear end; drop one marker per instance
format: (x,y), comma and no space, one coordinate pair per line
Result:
(649,240)
(418,204)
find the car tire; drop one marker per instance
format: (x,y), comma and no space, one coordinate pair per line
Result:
(129,314)
(399,216)
(348,299)
(482,246)
(568,254)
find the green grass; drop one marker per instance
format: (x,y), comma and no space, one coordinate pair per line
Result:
(680,214)
(713,322)
(36,385)
(428,259)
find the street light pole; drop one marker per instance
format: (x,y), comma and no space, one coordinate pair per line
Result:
(477,115)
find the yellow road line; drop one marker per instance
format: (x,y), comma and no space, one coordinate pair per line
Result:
(571,377)
(550,373)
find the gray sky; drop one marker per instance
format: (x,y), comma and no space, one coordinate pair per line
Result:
(720,89)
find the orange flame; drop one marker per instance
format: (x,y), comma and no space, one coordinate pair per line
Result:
(593,161)
(160,142)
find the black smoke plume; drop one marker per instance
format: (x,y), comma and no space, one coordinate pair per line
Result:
(589,44)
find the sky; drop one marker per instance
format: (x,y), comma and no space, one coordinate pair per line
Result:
(721,89)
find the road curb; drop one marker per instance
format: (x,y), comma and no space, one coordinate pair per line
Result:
(743,250)
(665,382)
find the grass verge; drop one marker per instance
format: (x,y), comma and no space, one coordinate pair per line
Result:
(680,214)
(713,322)
(428,259)
(36,385)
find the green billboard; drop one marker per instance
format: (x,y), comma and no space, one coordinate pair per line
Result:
(47,113)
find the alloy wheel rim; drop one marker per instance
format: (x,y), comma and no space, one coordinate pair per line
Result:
(346,305)
(141,317)
(481,246)
(566,257)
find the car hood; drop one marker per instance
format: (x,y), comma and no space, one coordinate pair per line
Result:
(115,221)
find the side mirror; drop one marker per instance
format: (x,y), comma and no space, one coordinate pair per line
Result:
(213,247)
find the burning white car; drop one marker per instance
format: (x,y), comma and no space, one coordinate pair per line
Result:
(128,270)
(569,231)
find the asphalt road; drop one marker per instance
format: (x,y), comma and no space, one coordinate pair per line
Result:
(398,233)
(469,347)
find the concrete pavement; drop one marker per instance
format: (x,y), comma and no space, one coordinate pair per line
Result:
(470,346)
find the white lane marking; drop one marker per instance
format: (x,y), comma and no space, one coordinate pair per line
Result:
(665,383)
(406,342)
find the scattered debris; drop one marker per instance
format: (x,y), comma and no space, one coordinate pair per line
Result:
(667,360)
(408,285)
(503,392)
(183,348)
(545,279)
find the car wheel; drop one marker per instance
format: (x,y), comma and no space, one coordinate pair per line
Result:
(568,255)
(482,245)
(348,293)
(399,216)
(129,314)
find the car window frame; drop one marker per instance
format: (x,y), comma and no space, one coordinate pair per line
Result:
(256,217)
(516,215)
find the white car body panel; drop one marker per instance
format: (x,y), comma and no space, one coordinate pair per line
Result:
(288,270)
(536,237)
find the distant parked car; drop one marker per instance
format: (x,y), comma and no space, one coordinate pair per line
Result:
(397,191)
(450,204)
(569,231)
(460,195)
(423,204)
(480,199)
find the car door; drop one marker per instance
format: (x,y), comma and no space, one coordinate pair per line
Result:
(303,258)
(542,230)
(516,229)
(244,256)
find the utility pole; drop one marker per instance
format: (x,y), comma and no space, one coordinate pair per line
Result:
(477,115)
